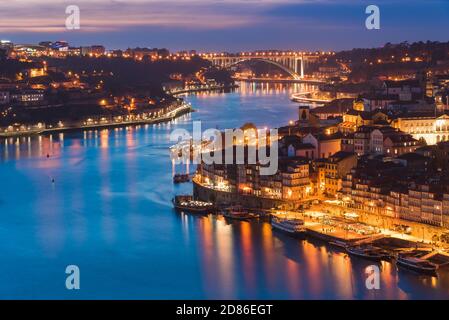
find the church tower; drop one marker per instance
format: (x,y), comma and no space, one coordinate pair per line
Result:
(304,114)
(306,118)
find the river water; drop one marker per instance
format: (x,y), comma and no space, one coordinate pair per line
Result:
(108,212)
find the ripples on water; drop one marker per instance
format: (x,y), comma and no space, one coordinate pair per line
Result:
(109,213)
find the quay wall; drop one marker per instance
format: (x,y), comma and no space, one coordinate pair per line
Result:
(204,193)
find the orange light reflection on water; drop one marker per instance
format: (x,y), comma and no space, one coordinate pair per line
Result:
(249,273)
(268,253)
(224,241)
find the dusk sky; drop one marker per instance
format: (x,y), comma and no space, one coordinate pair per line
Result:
(225,25)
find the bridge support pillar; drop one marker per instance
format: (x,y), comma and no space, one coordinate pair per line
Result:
(302,67)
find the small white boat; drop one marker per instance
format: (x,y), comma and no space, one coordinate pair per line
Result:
(186,203)
(293,226)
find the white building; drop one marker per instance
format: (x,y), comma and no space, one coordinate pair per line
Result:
(31,96)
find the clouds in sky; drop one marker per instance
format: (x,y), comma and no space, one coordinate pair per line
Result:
(97,15)
(217,24)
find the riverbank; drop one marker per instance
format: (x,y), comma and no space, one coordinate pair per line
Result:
(286,81)
(205,89)
(334,231)
(181,110)
(419,233)
(306,97)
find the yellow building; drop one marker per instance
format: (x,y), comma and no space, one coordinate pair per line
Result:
(358,118)
(358,104)
(431,128)
(332,183)
(334,169)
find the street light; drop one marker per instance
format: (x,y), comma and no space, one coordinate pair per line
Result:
(289,128)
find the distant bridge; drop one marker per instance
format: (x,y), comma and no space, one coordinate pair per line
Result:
(292,63)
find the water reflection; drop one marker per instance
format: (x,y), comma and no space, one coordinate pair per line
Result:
(109,211)
(296,269)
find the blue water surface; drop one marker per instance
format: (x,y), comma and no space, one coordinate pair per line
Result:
(109,212)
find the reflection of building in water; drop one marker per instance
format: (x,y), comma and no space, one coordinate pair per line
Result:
(39,147)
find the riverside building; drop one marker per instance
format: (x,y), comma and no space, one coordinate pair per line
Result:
(401,190)
(243,184)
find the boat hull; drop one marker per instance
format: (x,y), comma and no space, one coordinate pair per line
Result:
(181,179)
(293,233)
(320,236)
(338,245)
(202,211)
(376,258)
(411,267)
(240,218)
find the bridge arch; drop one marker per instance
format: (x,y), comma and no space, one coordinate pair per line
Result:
(291,72)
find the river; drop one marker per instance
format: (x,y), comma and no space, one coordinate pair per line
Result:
(108,211)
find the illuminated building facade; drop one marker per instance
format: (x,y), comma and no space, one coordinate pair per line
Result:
(334,169)
(386,189)
(430,128)
(291,182)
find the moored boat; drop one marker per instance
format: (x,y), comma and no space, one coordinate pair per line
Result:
(367,252)
(416,264)
(186,203)
(339,244)
(292,226)
(238,213)
(180,178)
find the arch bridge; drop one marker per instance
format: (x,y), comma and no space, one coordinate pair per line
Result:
(292,63)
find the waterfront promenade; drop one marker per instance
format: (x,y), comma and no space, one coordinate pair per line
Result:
(419,232)
(102,123)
